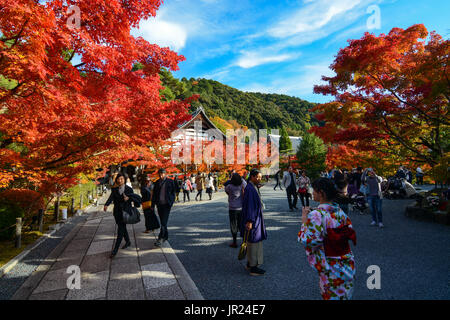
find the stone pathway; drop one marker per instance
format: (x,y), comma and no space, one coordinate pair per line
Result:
(139,272)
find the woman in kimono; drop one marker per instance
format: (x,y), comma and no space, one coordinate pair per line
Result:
(325,233)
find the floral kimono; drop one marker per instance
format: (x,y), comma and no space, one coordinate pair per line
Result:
(336,273)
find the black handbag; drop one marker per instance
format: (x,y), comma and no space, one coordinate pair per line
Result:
(132,216)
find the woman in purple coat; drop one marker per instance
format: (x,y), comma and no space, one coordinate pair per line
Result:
(252,221)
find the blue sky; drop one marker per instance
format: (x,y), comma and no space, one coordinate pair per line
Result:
(277,46)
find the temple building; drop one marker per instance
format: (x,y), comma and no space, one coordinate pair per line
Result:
(206,124)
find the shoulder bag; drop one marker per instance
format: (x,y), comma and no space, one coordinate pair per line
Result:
(131,215)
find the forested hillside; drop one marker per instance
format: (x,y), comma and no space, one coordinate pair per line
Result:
(253,110)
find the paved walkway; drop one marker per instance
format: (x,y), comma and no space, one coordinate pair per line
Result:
(412,255)
(139,272)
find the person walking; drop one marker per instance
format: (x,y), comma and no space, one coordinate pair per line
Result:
(419,176)
(215,181)
(252,221)
(277,179)
(409,175)
(325,234)
(151,221)
(303,188)
(187,187)
(200,183)
(235,192)
(374,196)
(289,183)
(122,197)
(209,185)
(163,198)
(194,187)
(177,184)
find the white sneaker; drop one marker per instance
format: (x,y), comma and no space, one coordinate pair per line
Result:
(381,225)
(373,223)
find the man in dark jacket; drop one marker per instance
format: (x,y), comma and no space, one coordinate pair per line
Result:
(163,197)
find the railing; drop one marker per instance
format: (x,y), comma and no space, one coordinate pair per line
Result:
(18,236)
(40,217)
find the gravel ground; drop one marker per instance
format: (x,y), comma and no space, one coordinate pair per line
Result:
(413,256)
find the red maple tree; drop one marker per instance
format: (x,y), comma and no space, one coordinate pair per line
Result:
(58,118)
(391,94)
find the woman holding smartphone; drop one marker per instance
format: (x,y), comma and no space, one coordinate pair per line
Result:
(325,233)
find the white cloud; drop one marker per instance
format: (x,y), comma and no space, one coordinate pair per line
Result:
(312,17)
(250,59)
(217,75)
(317,20)
(300,85)
(162,33)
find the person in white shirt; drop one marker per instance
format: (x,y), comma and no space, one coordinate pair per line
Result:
(419,176)
(290,183)
(209,185)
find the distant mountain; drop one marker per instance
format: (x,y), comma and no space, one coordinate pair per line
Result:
(253,110)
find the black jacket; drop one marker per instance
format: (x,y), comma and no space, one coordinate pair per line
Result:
(120,204)
(170,192)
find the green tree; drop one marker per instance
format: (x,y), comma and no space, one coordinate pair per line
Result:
(285,142)
(311,155)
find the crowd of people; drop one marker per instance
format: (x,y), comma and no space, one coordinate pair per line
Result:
(330,256)
(326,230)
(197,183)
(353,186)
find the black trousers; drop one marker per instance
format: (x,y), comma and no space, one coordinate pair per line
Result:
(199,193)
(419,180)
(121,233)
(278,184)
(163,213)
(292,193)
(235,222)
(186,194)
(304,196)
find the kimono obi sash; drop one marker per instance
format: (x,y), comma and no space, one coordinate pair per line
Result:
(336,242)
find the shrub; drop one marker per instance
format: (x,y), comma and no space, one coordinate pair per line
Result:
(30,201)
(9,211)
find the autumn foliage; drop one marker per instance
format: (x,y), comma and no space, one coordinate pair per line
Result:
(30,201)
(59,118)
(392,95)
